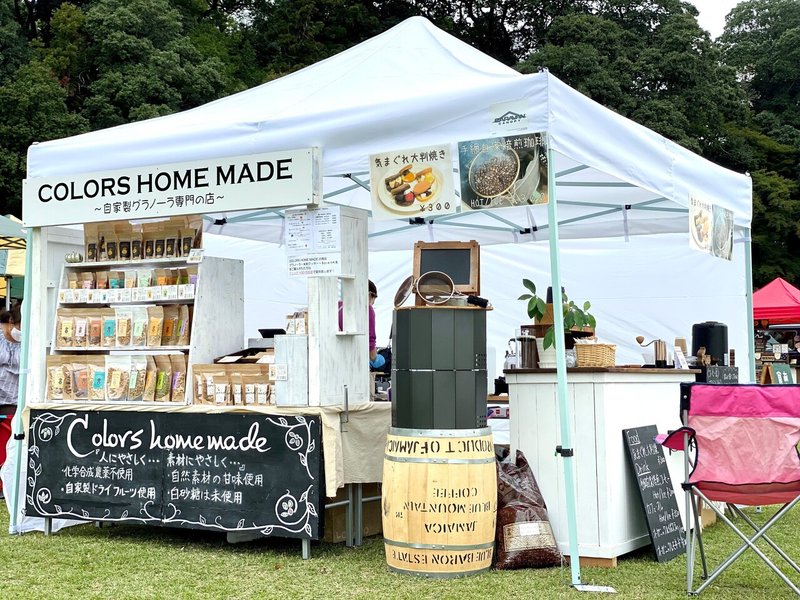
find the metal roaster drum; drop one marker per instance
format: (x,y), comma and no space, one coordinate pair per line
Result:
(714,336)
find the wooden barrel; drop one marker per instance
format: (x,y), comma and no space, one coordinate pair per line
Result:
(439,501)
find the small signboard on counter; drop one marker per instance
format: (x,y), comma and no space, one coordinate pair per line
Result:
(649,467)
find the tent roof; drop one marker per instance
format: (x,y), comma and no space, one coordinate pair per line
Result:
(778,302)
(415,86)
(12,234)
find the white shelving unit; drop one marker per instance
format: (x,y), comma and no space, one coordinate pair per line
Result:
(217,320)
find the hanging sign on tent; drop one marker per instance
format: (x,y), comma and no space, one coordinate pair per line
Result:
(503,171)
(410,183)
(710,228)
(314,242)
(225,184)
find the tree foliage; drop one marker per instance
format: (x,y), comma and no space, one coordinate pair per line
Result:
(77,65)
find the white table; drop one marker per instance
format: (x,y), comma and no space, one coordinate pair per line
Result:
(603,402)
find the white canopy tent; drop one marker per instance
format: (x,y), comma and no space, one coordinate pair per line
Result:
(618,189)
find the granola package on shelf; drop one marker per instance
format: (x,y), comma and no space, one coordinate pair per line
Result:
(169,335)
(97,377)
(118,370)
(80,337)
(80,378)
(178,393)
(150,381)
(163,377)
(109,328)
(184,325)
(90,241)
(55,378)
(94,326)
(124,317)
(139,323)
(155,324)
(65,328)
(137,378)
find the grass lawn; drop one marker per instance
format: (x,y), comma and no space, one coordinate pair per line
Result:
(148,562)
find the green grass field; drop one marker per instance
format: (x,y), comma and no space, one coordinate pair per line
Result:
(148,562)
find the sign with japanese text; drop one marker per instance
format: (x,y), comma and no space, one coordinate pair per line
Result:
(656,491)
(314,242)
(228,472)
(710,228)
(503,171)
(412,183)
(274,179)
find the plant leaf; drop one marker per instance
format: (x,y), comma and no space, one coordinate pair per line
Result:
(587,305)
(524,297)
(530,285)
(592,322)
(541,307)
(549,338)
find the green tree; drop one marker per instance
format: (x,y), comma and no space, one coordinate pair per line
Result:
(32,108)
(144,64)
(762,42)
(13,44)
(651,62)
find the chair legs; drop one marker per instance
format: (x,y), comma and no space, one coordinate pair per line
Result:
(749,542)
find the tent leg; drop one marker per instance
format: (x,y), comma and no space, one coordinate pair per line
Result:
(565,416)
(306,549)
(48,525)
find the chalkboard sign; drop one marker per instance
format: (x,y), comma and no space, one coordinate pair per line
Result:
(776,372)
(228,472)
(656,491)
(454,262)
(719,374)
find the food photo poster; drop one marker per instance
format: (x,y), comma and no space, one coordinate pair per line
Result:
(503,171)
(710,228)
(412,182)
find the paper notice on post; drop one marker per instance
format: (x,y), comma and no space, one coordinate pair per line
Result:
(314,242)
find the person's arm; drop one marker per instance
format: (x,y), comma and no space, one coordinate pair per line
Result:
(373,350)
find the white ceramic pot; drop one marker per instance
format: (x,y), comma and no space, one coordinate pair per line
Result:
(547,358)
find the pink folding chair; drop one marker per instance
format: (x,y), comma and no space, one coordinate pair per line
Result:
(740,448)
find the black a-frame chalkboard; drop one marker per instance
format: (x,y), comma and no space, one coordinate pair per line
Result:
(649,467)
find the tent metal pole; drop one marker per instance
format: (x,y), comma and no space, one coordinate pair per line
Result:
(565,415)
(16,425)
(748,286)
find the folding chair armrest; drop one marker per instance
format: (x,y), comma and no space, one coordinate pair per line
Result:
(674,440)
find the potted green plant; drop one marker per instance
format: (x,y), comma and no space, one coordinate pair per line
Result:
(576,318)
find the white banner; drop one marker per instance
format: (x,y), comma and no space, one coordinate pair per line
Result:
(267,180)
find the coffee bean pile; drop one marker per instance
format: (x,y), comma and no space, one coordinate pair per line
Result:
(494,176)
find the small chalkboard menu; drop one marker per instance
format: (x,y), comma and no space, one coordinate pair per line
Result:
(658,496)
(718,374)
(228,472)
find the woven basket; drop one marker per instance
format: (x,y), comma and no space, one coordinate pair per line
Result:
(596,355)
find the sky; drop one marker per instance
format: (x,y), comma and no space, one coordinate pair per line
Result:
(712,14)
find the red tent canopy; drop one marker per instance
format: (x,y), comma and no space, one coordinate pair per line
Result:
(778,302)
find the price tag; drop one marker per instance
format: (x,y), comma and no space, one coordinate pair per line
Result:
(195,255)
(279,372)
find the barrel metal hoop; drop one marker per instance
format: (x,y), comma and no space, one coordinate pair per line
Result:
(440,433)
(442,461)
(442,575)
(439,546)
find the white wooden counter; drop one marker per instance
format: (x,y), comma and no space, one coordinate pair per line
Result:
(603,402)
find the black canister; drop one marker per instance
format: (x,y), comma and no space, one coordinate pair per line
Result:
(714,336)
